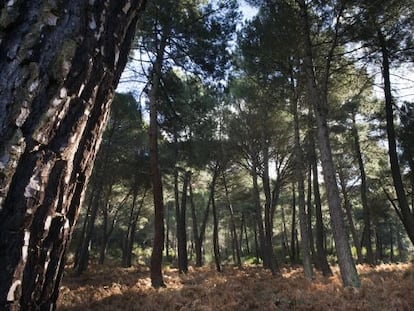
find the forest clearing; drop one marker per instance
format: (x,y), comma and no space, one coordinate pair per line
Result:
(109,288)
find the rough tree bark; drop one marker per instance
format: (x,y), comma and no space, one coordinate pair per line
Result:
(59,64)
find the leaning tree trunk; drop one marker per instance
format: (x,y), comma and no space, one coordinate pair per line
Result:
(406,215)
(59,64)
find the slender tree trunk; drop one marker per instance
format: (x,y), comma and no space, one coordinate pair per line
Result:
(157,279)
(268,249)
(392,257)
(320,232)
(199,253)
(134,216)
(83,260)
(256,244)
(400,247)
(309,206)
(285,242)
(259,218)
(407,216)
(216,246)
(56,88)
(126,253)
(243,232)
(318,99)
(82,234)
(196,235)
(105,238)
(364,196)
(303,219)
(182,228)
(232,224)
(167,233)
(348,212)
(293,230)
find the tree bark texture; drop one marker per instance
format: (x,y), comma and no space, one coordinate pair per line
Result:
(59,64)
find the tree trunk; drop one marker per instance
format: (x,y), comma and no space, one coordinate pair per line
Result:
(126,254)
(320,232)
(407,216)
(157,279)
(268,246)
(182,229)
(232,224)
(309,206)
(83,259)
(216,246)
(82,234)
(348,212)
(59,67)
(167,233)
(199,248)
(130,238)
(320,106)
(364,196)
(303,219)
(197,245)
(285,242)
(293,226)
(259,218)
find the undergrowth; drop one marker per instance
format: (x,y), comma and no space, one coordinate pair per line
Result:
(105,288)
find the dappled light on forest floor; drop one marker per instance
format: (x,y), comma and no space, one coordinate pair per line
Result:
(384,287)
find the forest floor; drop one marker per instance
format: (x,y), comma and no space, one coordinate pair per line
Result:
(110,288)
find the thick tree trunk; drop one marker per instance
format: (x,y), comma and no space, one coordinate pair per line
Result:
(59,64)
